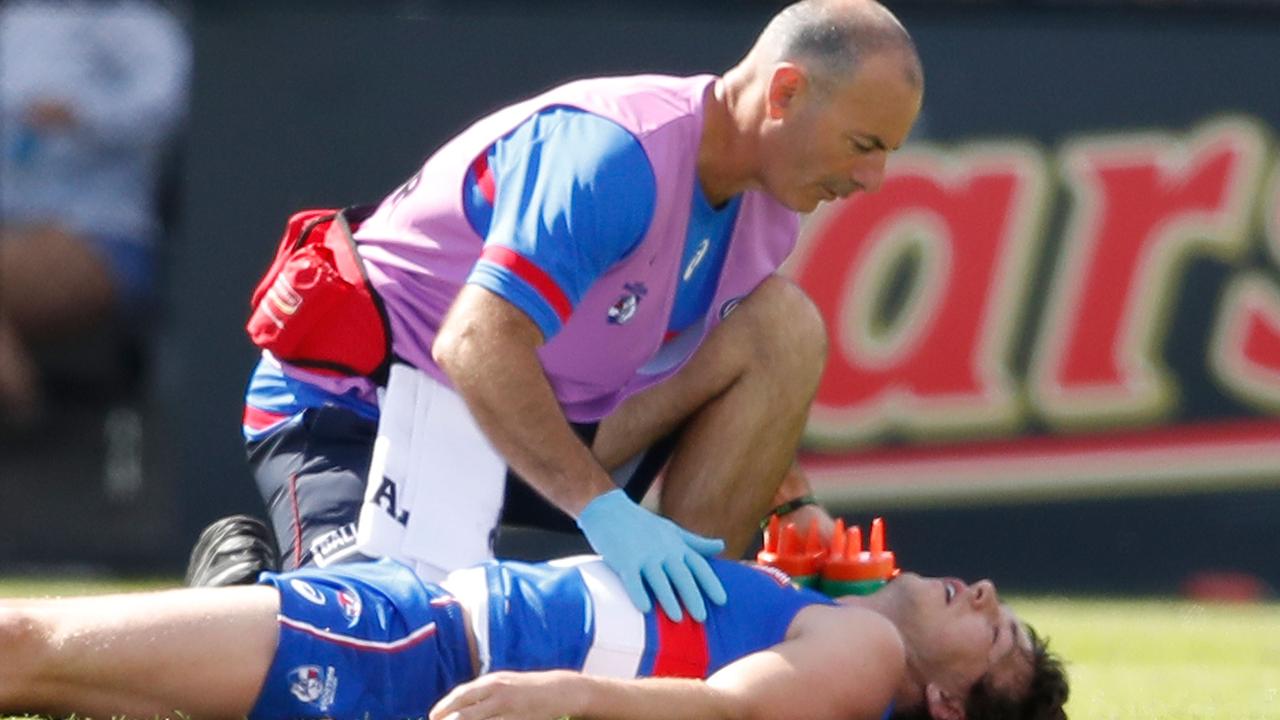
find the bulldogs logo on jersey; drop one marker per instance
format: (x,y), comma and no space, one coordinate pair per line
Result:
(306,683)
(625,307)
(314,685)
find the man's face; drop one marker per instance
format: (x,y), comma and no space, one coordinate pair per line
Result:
(961,634)
(823,146)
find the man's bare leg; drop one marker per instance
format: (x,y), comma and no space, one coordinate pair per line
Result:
(202,652)
(743,399)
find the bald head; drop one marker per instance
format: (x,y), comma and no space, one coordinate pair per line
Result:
(829,38)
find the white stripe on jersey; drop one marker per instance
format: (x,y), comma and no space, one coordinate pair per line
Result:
(618,643)
(409,640)
(471,587)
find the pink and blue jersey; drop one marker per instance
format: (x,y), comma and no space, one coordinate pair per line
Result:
(371,640)
(558,201)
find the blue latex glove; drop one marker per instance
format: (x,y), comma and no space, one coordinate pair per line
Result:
(644,548)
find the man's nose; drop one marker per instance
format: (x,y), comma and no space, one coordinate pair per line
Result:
(984,595)
(869,172)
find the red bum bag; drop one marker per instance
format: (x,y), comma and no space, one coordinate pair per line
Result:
(315,308)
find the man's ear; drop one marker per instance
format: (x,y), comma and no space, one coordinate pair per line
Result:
(786,84)
(942,704)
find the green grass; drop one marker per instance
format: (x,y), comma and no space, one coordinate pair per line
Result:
(36,587)
(1166,660)
(1128,660)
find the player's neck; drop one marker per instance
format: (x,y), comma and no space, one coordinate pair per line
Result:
(726,152)
(909,693)
(910,689)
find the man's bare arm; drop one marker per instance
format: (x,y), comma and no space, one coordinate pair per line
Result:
(488,347)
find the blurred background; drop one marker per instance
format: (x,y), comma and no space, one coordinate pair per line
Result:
(1055,352)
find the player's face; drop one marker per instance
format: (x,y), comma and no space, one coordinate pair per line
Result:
(831,146)
(961,633)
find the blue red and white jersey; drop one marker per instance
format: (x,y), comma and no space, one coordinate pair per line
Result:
(574,614)
(559,199)
(363,640)
(565,196)
(373,640)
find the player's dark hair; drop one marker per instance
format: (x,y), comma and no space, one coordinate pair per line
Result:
(1044,699)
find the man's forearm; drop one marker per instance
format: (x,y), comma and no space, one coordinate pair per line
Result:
(493,366)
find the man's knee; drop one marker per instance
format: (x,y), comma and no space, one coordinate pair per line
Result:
(788,333)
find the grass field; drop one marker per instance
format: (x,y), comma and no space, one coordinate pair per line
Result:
(1165,660)
(1128,660)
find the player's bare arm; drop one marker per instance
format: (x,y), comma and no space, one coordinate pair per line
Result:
(837,662)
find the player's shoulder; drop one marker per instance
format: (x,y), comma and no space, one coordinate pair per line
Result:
(856,643)
(840,615)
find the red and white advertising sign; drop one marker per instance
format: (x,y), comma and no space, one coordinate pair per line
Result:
(974,356)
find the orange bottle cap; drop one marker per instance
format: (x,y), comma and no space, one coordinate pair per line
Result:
(784,549)
(853,564)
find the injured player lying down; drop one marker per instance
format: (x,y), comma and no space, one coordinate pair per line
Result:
(512,640)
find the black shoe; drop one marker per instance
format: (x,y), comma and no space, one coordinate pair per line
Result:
(232,551)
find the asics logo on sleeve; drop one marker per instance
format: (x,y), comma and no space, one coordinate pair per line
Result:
(698,254)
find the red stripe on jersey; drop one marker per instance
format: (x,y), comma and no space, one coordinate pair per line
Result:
(682,648)
(258,419)
(532,274)
(484,177)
